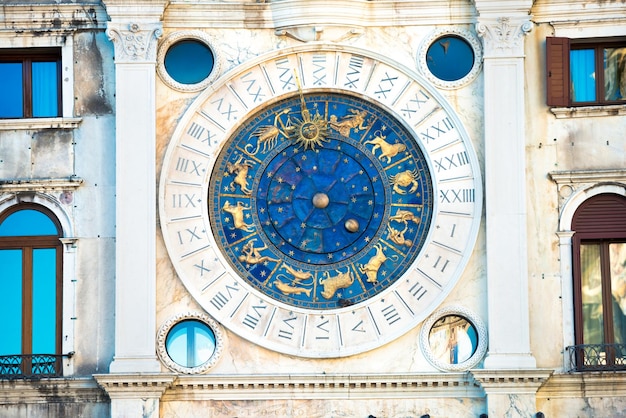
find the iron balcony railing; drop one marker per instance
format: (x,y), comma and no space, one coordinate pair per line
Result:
(32,366)
(597,357)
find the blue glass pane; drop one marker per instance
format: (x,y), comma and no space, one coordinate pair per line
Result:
(44,301)
(583,73)
(190,343)
(11,306)
(615,73)
(27,222)
(189,62)
(45,89)
(11,105)
(450,58)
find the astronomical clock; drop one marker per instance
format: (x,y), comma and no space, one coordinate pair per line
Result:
(320,203)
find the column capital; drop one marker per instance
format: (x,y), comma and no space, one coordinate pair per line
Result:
(514,381)
(135,385)
(503,36)
(134,41)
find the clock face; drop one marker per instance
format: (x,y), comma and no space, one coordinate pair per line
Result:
(320,203)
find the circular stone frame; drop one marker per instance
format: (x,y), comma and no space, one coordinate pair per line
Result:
(481,330)
(464,34)
(191,35)
(165,329)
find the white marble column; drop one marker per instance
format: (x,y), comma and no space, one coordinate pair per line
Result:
(135,264)
(505,192)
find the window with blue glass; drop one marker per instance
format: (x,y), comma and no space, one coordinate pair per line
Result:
(583,72)
(189,61)
(30,81)
(31,281)
(190,343)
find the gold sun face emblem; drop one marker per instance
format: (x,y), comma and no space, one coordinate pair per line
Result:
(310,132)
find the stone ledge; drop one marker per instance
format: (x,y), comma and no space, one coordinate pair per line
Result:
(320,386)
(51,390)
(582,385)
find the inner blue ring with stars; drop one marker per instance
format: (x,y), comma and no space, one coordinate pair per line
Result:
(390,197)
(343,225)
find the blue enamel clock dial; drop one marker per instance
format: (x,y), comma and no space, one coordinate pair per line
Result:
(321,201)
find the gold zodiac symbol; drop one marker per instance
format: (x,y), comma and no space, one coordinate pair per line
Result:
(297,275)
(240,168)
(404,179)
(237,212)
(267,135)
(252,255)
(290,290)
(373,265)
(397,237)
(388,150)
(334,283)
(404,216)
(354,121)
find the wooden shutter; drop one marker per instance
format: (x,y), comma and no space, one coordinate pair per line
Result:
(602,216)
(557,70)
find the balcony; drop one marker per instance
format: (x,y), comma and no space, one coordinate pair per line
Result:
(597,357)
(31,366)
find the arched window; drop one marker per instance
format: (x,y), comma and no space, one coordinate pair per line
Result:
(599,258)
(31,255)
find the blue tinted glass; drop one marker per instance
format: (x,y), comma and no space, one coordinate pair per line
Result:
(189,62)
(11,105)
(27,222)
(190,343)
(583,73)
(44,301)
(11,306)
(45,89)
(450,58)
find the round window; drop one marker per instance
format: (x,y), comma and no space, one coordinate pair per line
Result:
(453,339)
(190,343)
(450,58)
(189,61)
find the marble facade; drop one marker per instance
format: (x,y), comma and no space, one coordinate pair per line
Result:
(101,169)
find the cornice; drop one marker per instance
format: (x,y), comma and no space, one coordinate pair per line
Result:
(584,385)
(577,12)
(43,18)
(322,386)
(79,390)
(40,185)
(588,176)
(315,13)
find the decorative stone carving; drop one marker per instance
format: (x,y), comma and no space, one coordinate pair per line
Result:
(134,41)
(503,37)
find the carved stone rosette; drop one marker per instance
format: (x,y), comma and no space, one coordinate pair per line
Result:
(134,42)
(503,35)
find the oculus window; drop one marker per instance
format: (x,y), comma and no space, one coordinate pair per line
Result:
(585,72)
(450,58)
(599,254)
(30,80)
(31,258)
(189,343)
(186,61)
(453,339)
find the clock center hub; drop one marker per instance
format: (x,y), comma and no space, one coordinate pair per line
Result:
(320,200)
